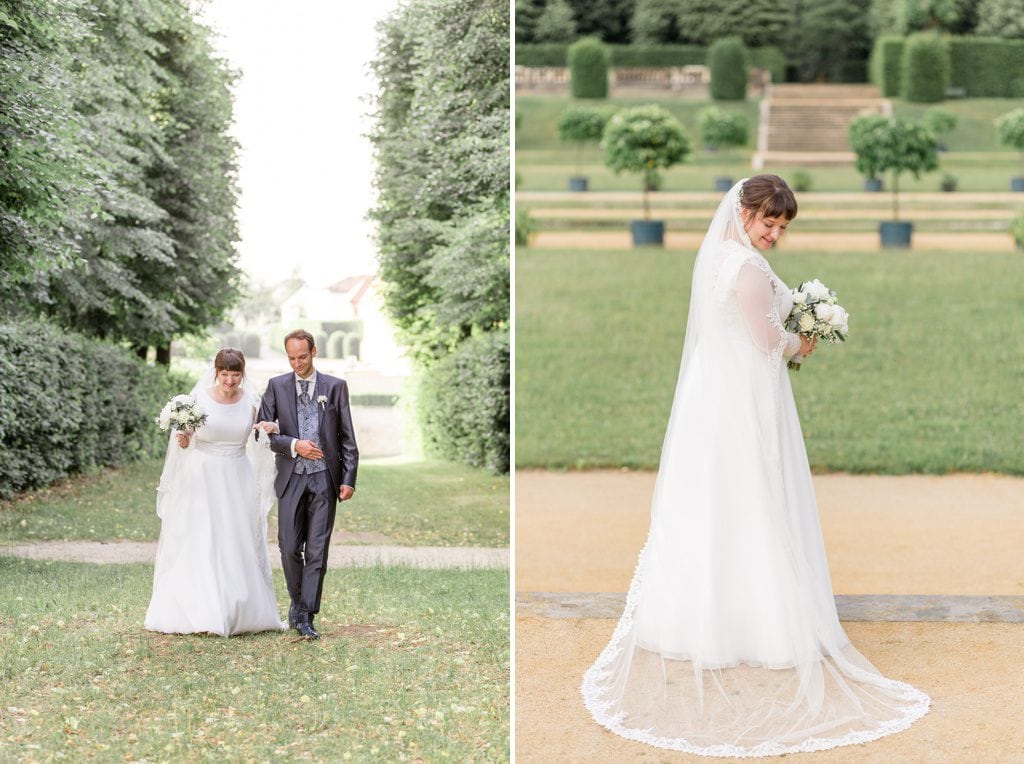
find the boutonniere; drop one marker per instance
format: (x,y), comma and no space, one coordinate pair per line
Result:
(322,400)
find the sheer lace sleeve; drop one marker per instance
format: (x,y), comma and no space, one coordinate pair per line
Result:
(755,292)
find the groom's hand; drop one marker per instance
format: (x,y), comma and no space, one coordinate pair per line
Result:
(307,449)
(345,492)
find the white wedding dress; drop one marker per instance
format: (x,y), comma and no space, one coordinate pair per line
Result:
(212,571)
(730,644)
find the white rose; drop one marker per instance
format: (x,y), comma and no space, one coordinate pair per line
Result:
(198,411)
(816,290)
(183,399)
(839,318)
(806,322)
(823,311)
(164,420)
(799,298)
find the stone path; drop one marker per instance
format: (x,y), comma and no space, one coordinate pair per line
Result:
(341,555)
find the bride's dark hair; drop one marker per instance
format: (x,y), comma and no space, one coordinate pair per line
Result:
(229,359)
(768,196)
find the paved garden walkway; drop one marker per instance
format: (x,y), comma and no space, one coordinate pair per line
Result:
(929,577)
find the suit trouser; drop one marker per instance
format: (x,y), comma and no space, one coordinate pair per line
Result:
(305,520)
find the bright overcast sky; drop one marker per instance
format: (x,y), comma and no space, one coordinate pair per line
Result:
(300,116)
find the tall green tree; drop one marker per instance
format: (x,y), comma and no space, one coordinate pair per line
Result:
(556,23)
(441,145)
(1001,18)
(825,34)
(45,173)
(757,22)
(606,19)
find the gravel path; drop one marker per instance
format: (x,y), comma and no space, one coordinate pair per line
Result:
(341,556)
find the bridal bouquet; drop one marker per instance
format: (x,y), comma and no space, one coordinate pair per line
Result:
(816,314)
(183,413)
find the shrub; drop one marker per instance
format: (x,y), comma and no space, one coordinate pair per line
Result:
(925,68)
(1001,18)
(1017,230)
(542,54)
(642,139)
(886,64)
(641,56)
(722,129)
(351,347)
(525,226)
(861,137)
(251,345)
(727,60)
(232,340)
(463,403)
(99,410)
(801,181)
(320,340)
(949,182)
(581,125)
(894,145)
(588,68)
(1010,129)
(349,326)
(986,67)
(656,21)
(336,344)
(939,121)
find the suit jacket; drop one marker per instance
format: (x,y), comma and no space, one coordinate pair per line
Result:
(337,438)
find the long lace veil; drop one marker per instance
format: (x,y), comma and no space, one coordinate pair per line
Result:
(729,643)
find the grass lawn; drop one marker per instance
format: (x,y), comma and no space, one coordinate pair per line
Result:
(413,666)
(419,503)
(929,381)
(543,163)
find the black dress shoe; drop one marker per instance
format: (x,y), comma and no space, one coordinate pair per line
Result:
(306,630)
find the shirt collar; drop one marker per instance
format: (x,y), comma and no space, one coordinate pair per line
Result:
(311,379)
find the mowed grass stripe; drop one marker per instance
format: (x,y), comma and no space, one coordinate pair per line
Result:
(929,381)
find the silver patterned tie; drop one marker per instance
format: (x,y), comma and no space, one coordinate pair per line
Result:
(304,397)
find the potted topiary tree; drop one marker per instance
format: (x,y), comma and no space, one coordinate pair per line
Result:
(897,146)
(720,129)
(1010,128)
(859,135)
(643,139)
(581,125)
(941,123)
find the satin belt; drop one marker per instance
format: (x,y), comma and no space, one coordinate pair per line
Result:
(220,449)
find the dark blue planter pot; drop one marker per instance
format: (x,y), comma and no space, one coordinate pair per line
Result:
(895,234)
(578,183)
(1017,184)
(648,233)
(874,185)
(723,184)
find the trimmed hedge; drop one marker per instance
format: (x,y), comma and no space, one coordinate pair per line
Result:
(640,56)
(886,65)
(463,403)
(588,68)
(982,67)
(71,404)
(336,344)
(727,61)
(925,68)
(987,67)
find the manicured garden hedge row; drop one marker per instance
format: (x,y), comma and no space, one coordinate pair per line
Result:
(69,404)
(639,56)
(464,402)
(981,67)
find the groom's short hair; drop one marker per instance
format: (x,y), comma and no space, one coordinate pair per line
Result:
(301,334)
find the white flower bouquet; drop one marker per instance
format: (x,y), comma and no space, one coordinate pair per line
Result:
(816,314)
(183,413)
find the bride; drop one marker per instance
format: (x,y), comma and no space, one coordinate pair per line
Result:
(212,572)
(730,644)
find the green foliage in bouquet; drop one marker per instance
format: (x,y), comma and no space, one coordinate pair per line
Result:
(642,140)
(581,125)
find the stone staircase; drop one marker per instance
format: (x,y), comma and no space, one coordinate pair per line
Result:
(806,124)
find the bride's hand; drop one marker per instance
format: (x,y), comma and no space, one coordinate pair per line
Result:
(270,428)
(807,345)
(184,438)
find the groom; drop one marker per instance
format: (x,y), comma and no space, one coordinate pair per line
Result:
(316,467)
